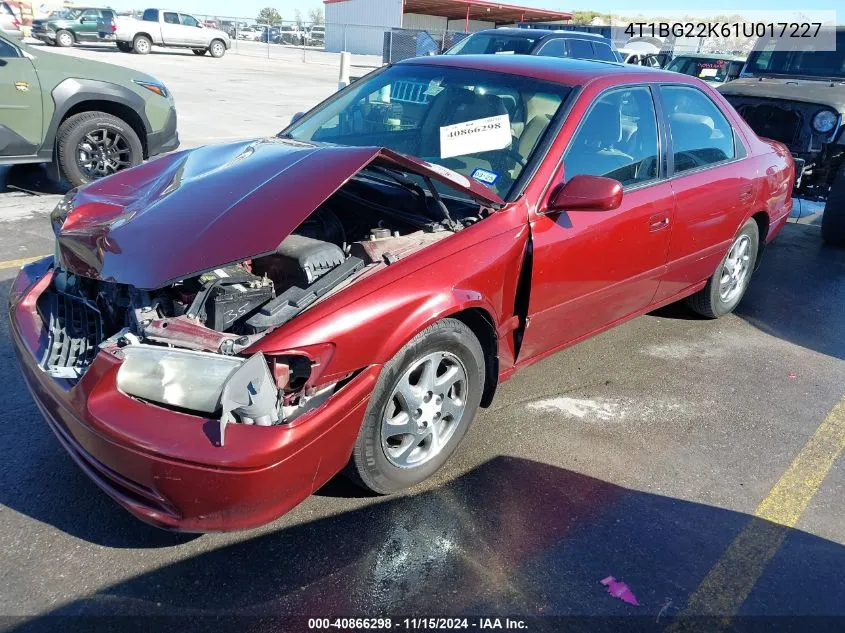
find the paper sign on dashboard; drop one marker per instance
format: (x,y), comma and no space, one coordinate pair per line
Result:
(479,135)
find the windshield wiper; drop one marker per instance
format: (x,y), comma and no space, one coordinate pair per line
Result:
(400,178)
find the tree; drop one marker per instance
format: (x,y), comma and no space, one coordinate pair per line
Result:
(315,16)
(268,15)
(298,17)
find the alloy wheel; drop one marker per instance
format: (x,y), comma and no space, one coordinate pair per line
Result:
(425,409)
(735,270)
(65,39)
(102,152)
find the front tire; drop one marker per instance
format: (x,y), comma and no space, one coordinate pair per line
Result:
(92,145)
(725,289)
(142,45)
(424,402)
(64,39)
(833,219)
(217,48)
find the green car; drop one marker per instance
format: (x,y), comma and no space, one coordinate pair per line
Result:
(87,118)
(65,27)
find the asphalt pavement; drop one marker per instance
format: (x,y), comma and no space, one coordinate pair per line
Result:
(695,460)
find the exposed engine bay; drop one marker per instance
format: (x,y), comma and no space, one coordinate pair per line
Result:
(377,218)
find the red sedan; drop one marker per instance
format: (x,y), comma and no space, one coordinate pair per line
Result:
(224,329)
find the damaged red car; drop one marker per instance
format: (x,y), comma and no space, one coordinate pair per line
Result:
(224,329)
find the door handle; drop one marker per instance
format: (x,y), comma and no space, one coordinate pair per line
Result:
(658,221)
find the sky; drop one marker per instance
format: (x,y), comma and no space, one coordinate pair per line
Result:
(250,8)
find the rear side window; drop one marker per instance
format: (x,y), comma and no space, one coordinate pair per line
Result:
(150,15)
(580,49)
(701,134)
(171,18)
(604,52)
(553,48)
(5,9)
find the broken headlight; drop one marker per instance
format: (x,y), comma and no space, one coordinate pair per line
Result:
(59,214)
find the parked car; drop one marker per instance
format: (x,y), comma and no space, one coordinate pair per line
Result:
(317,35)
(163,28)
(291,35)
(90,120)
(642,58)
(251,33)
(712,68)
(9,22)
(798,97)
(346,295)
(573,44)
(67,26)
(269,34)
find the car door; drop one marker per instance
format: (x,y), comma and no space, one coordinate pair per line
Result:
(86,31)
(713,191)
(21,117)
(194,34)
(172,31)
(593,268)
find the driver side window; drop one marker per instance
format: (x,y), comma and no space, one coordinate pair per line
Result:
(617,139)
(188,20)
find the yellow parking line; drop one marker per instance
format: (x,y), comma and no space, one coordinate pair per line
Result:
(17,263)
(727,585)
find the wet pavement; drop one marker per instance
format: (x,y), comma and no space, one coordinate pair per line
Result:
(642,454)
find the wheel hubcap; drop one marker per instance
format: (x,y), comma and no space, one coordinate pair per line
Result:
(735,270)
(102,152)
(424,410)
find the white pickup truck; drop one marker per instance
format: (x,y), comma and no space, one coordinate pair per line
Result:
(163,28)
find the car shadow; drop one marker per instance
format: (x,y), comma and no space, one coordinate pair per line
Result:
(31,178)
(512,536)
(798,292)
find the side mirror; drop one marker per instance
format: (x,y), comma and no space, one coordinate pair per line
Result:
(296,117)
(587,193)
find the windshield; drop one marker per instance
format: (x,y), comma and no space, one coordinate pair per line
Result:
(481,124)
(708,69)
(765,60)
(66,14)
(492,44)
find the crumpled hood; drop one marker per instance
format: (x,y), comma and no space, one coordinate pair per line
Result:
(803,90)
(195,210)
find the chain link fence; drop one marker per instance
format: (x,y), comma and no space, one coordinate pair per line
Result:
(294,40)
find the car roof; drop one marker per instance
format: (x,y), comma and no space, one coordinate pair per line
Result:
(731,58)
(541,33)
(570,72)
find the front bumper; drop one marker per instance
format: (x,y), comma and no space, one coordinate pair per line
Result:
(166,139)
(165,467)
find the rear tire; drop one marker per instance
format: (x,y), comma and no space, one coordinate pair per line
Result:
(833,220)
(200,51)
(217,48)
(424,401)
(725,289)
(64,39)
(73,133)
(142,45)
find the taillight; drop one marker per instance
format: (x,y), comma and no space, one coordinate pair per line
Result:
(15,23)
(113,27)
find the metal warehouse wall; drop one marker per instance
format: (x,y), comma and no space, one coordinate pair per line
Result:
(358,25)
(436,23)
